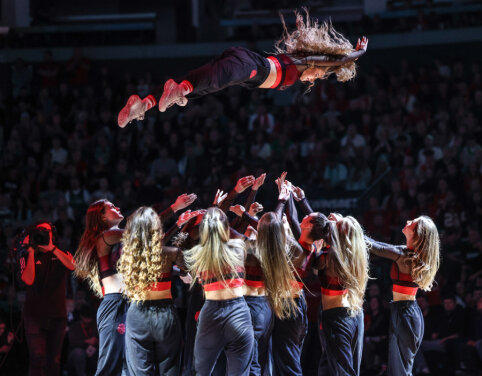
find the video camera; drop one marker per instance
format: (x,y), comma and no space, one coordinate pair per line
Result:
(39,236)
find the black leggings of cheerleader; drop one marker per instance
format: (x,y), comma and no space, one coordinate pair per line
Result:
(287,340)
(224,326)
(235,66)
(111,318)
(153,338)
(342,340)
(263,322)
(405,336)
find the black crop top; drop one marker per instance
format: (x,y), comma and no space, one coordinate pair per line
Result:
(108,263)
(329,285)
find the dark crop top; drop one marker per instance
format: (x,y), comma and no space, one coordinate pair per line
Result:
(330,285)
(402,282)
(108,263)
(231,280)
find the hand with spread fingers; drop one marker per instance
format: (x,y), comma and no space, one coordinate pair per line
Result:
(219,197)
(183,201)
(244,183)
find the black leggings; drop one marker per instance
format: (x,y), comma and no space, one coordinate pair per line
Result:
(224,325)
(405,336)
(288,337)
(153,338)
(263,321)
(343,341)
(111,319)
(235,66)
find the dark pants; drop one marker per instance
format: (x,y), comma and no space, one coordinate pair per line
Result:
(195,303)
(44,338)
(235,66)
(224,325)
(263,321)
(153,338)
(343,341)
(288,336)
(80,364)
(111,318)
(405,336)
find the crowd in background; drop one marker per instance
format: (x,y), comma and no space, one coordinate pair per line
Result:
(414,130)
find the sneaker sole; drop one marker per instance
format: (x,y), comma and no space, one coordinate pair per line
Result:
(124,115)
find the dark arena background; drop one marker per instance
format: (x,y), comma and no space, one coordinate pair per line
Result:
(400,140)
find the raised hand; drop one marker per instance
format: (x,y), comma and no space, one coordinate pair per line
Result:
(188,215)
(251,233)
(284,193)
(183,218)
(298,193)
(362,44)
(183,201)
(335,217)
(238,210)
(244,183)
(280,180)
(219,197)
(259,181)
(255,208)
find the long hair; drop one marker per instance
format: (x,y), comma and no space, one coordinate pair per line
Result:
(141,262)
(276,265)
(314,38)
(86,266)
(349,260)
(215,255)
(425,259)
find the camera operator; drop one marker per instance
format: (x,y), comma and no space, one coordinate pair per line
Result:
(44,268)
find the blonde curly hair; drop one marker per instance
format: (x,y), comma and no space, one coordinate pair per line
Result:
(142,259)
(314,38)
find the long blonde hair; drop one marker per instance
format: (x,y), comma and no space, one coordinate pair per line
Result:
(349,260)
(425,259)
(141,262)
(314,38)
(86,260)
(215,254)
(276,265)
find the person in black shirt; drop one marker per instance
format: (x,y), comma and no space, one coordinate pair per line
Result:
(44,268)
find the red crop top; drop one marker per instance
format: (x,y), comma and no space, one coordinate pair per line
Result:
(163,283)
(286,72)
(231,280)
(330,285)
(402,283)
(254,276)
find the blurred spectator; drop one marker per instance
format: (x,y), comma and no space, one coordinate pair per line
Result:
(83,343)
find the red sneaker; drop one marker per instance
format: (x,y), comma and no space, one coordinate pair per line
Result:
(134,109)
(174,93)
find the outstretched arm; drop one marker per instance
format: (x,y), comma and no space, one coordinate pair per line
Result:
(241,186)
(389,251)
(292,216)
(183,201)
(299,195)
